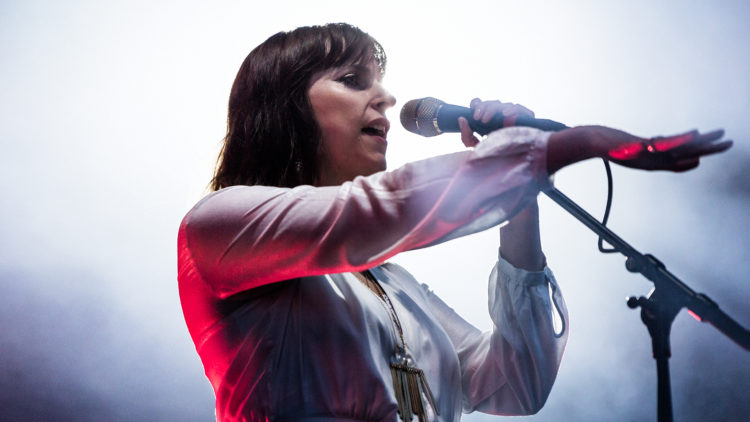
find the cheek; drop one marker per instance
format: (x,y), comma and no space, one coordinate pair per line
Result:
(338,124)
(336,113)
(333,129)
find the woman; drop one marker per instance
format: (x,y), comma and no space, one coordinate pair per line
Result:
(283,277)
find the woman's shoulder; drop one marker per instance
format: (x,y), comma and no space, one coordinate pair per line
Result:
(232,200)
(395,271)
(239,193)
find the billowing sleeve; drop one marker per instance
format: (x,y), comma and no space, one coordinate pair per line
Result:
(510,370)
(243,237)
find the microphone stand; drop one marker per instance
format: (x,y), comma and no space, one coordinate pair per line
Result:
(662,304)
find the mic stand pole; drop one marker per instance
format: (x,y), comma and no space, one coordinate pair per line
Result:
(663,303)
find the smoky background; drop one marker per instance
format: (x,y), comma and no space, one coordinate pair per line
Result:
(111,116)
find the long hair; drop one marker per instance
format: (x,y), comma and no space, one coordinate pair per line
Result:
(272,136)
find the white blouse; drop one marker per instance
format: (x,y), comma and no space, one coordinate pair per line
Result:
(286,332)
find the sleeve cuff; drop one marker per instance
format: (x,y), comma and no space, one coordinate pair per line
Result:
(513,274)
(533,140)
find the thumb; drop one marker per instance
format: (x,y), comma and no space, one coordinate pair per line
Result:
(467,135)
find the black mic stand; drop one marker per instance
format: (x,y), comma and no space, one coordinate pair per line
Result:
(662,304)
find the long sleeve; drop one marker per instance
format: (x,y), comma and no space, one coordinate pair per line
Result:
(244,237)
(274,350)
(510,369)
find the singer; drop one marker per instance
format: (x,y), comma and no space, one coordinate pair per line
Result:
(283,270)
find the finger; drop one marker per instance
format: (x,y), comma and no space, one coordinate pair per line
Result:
(718,147)
(523,111)
(698,141)
(475,104)
(467,135)
(701,139)
(484,109)
(704,149)
(511,110)
(685,143)
(490,109)
(711,136)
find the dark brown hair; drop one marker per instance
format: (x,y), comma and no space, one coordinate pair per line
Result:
(272,136)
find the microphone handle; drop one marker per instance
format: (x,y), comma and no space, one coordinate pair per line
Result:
(448,114)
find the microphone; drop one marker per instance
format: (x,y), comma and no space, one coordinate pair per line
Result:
(430,117)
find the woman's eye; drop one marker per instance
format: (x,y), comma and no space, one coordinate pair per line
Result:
(352,80)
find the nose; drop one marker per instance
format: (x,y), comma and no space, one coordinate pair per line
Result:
(382,100)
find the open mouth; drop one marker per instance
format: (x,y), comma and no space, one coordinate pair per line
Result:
(374,131)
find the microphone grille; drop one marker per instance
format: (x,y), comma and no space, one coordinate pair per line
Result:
(418,116)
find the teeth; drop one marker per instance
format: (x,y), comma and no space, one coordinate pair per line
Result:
(380,129)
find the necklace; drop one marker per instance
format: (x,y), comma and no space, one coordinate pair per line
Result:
(409,382)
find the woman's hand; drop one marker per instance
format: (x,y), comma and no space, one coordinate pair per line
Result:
(484,111)
(674,153)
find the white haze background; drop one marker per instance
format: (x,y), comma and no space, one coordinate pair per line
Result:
(111,115)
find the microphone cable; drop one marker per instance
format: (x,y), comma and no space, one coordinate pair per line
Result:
(607,208)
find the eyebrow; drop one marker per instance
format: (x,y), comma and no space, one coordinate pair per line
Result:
(367,68)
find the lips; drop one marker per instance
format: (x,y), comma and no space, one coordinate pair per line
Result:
(374,131)
(378,127)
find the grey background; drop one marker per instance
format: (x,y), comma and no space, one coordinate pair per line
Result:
(111,115)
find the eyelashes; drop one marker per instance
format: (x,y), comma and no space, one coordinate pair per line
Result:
(352,80)
(358,79)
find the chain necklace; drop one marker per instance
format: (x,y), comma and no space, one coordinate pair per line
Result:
(409,382)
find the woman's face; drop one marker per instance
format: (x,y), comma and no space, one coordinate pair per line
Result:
(349,105)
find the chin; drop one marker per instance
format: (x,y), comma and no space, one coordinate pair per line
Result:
(380,167)
(375,167)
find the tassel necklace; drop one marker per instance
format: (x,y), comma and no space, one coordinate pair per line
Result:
(409,382)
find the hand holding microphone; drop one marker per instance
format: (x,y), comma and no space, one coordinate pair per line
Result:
(430,117)
(486,114)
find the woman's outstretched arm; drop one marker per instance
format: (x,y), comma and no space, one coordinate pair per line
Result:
(519,239)
(674,153)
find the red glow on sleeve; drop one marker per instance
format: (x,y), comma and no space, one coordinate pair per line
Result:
(665,144)
(694,315)
(627,151)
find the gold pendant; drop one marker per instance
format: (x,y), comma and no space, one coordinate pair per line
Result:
(408,384)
